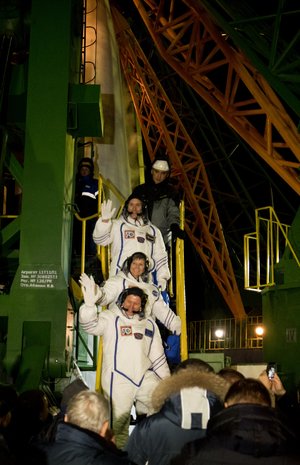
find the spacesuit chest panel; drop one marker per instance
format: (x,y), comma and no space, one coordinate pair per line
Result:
(134,234)
(130,239)
(133,344)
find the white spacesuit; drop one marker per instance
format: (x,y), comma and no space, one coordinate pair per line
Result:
(132,233)
(155,306)
(133,354)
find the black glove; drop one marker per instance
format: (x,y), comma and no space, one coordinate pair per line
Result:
(177,232)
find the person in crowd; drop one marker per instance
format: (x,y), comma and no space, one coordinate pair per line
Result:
(247,431)
(132,232)
(133,356)
(31,418)
(161,199)
(285,401)
(8,400)
(274,386)
(230,374)
(76,386)
(82,438)
(135,273)
(86,204)
(184,402)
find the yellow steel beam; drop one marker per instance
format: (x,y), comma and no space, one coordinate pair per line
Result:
(198,51)
(164,132)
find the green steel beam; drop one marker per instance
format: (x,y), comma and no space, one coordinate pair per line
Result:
(8,235)
(15,168)
(38,296)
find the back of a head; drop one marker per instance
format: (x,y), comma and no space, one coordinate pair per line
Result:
(33,404)
(248,391)
(88,410)
(8,395)
(231,375)
(195,364)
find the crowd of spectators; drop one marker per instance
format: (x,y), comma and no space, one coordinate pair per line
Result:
(198,417)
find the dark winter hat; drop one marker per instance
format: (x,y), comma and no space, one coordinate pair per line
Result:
(88,162)
(134,196)
(73,388)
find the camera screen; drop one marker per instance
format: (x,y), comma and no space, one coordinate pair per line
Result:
(271,372)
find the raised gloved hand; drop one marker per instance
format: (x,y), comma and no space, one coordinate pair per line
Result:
(90,290)
(177,232)
(107,211)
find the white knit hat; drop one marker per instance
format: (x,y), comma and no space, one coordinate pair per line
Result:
(161,165)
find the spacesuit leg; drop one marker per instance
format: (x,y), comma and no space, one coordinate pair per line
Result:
(122,396)
(143,402)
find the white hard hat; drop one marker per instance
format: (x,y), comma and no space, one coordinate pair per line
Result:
(161,165)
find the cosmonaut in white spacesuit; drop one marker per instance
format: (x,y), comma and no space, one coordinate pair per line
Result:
(133,355)
(135,273)
(132,232)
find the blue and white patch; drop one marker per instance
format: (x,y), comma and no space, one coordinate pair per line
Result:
(148,332)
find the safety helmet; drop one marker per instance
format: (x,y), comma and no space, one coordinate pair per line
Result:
(133,291)
(161,163)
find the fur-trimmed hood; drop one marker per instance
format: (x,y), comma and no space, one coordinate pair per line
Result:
(188,378)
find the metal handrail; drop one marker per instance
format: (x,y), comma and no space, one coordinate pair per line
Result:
(234,334)
(271,230)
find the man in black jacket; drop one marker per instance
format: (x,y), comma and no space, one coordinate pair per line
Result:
(83,438)
(248,431)
(161,199)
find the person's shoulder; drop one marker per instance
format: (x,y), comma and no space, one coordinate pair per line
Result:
(151,323)
(151,289)
(109,314)
(172,191)
(144,426)
(117,222)
(154,228)
(116,279)
(139,187)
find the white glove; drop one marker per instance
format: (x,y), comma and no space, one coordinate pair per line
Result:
(90,290)
(107,212)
